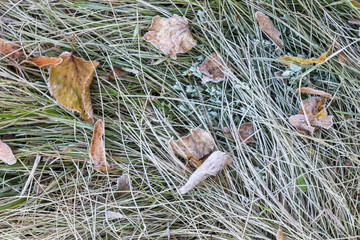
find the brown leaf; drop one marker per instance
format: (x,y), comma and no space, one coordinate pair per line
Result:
(118,73)
(304,123)
(314,106)
(195,145)
(246,131)
(315,92)
(170,35)
(213,69)
(43,61)
(303,61)
(97,149)
(6,155)
(280,235)
(70,82)
(210,167)
(269,29)
(10,49)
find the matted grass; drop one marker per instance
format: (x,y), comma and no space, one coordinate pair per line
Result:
(303,185)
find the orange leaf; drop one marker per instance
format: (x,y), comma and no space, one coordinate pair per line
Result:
(314,106)
(97,149)
(10,49)
(303,61)
(6,154)
(280,235)
(315,92)
(43,61)
(70,82)
(170,35)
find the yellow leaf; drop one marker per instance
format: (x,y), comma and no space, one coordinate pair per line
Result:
(303,61)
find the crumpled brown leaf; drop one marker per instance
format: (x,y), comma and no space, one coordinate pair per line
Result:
(314,106)
(302,124)
(210,167)
(170,35)
(213,69)
(97,148)
(268,27)
(196,145)
(315,92)
(6,154)
(41,61)
(10,49)
(304,61)
(70,82)
(246,131)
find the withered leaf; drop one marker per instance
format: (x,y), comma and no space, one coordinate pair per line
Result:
(315,92)
(213,69)
(246,131)
(70,82)
(43,61)
(269,29)
(210,167)
(280,235)
(170,35)
(6,154)
(10,49)
(304,123)
(303,61)
(314,106)
(97,149)
(195,145)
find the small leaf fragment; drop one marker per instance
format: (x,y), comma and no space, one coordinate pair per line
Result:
(195,145)
(315,92)
(303,61)
(245,130)
(43,61)
(213,69)
(97,148)
(314,106)
(280,235)
(113,215)
(10,49)
(210,167)
(170,35)
(6,154)
(268,27)
(70,82)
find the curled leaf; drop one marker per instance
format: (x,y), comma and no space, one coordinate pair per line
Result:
(70,82)
(269,29)
(246,131)
(97,148)
(305,123)
(6,154)
(315,92)
(210,167)
(170,35)
(10,49)
(195,145)
(213,69)
(303,61)
(314,106)
(43,61)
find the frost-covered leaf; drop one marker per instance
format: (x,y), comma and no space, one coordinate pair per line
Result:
(97,148)
(213,69)
(245,131)
(305,123)
(6,154)
(43,61)
(113,215)
(170,35)
(70,82)
(315,92)
(303,61)
(10,49)
(210,167)
(314,106)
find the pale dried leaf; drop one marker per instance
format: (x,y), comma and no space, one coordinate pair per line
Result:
(170,35)
(113,215)
(245,130)
(269,29)
(97,149)
(314,106)
(195,145)
(6,154)
(210,167)
(123,183)
(213,69)
(315,92)
(43,61)
(10,49)
(299,121)
(280,235)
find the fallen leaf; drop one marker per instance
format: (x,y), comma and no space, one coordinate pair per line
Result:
(303,61)
(123,184)
(117,72)
(305,123)
(170,35)
(315,92)
(113,215)
(280,235)
(43,61)
(314,106)
(210,167)
(269,29)
(6,155)
(246,131)
(70,82)
(97,148)
(195,145)
(213,69)
(10,49)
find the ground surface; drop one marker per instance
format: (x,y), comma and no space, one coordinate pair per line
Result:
(307,186)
